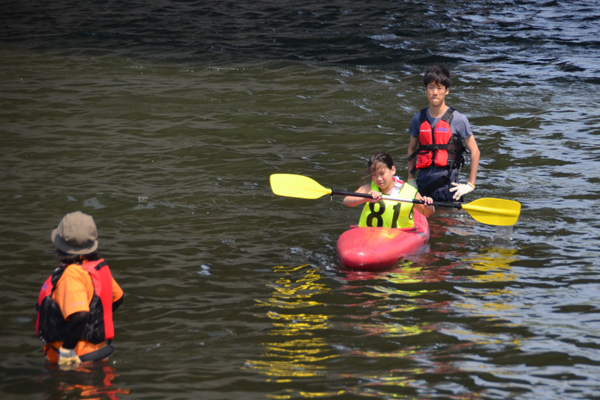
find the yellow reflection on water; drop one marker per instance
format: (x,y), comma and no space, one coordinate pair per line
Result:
(407,273)
(295,351)
(314,395)
(490,303)
(393,330)
(496,265)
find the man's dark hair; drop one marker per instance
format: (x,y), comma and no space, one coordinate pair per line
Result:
(437,74)
(69,259)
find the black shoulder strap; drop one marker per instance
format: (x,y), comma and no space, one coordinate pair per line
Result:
(57,274)
(448,115)
(423,116)
(100,265)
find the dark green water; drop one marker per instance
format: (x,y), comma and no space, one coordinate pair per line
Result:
(233,293)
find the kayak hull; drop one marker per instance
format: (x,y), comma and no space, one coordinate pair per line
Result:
(377,248)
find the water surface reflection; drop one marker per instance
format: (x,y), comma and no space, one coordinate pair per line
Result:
(87,382)
(296,347)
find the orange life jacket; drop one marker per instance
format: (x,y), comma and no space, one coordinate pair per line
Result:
(50,325)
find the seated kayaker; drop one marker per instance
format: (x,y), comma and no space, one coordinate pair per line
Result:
(378,212)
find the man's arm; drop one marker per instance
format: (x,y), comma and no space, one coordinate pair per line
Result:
(471,145)
(413,145)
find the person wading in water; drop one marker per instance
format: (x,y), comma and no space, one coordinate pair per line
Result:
(439,135)
(76,303)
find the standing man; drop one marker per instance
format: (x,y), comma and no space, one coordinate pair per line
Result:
(76,303)
(439,135)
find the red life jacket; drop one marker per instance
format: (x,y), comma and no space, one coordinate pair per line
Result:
(50,325)
(439,146)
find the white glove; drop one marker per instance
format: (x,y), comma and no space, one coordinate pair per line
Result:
(68,358)
(461,189)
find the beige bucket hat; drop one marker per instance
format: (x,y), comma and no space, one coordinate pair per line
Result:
(76,234)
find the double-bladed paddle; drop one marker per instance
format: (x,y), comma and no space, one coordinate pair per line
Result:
(488,211)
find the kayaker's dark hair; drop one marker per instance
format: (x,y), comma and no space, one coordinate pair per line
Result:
(437,74)
(377,158)
(68,259)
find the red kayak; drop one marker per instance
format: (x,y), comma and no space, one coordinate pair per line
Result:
(377,248)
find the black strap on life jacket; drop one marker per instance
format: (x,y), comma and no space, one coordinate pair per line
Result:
(56,274)
(99,266)
(97,355)
(52,326)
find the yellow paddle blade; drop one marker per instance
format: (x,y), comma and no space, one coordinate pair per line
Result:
(494,211)
(291,185)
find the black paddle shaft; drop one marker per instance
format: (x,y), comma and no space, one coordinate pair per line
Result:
(368,196)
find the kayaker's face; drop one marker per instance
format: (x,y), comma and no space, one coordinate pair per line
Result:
(383,177)
(436,93)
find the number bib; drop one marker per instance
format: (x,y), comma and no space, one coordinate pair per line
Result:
(390,214)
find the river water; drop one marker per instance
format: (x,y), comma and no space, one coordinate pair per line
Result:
(165,119)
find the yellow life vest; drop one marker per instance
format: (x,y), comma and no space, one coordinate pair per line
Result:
(390,214)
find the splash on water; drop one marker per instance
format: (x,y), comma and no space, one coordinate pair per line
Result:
(503,233)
